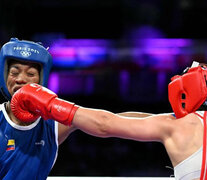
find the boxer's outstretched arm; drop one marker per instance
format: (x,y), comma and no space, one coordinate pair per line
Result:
(106,124)
(33,100)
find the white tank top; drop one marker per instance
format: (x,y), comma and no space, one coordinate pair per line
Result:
(190,168)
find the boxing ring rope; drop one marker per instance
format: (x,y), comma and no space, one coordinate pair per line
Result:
(109,178)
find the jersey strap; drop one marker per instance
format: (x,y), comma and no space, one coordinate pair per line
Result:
(204,165)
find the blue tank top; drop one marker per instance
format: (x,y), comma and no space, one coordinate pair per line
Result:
(31,150)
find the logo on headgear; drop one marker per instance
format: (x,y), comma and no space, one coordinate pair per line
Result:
(25,53)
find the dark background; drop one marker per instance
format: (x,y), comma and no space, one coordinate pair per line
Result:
(102,19)
(118,21)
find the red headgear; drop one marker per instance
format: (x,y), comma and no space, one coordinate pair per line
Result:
(188,92)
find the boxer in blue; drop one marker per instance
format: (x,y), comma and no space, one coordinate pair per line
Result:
(31,148)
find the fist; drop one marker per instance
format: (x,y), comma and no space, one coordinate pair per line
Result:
(31,101)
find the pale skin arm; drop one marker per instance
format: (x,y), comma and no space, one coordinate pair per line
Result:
(178,136)
(101,123)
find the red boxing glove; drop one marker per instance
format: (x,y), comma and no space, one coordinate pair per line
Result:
(34,100)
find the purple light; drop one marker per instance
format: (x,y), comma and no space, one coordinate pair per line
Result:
(161,51)
(53,83)
(161,83)
(89,88)
(166,43)
(62,52)
(79,52)
(124,83)
(76,83)
(90,52)
(145,31)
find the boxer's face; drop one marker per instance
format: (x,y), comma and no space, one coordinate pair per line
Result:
(20,74)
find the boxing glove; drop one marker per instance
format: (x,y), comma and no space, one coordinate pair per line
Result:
(34,100)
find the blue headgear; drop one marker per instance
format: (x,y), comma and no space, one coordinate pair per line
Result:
(26,51)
